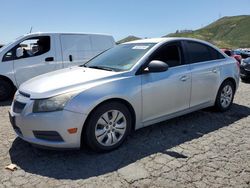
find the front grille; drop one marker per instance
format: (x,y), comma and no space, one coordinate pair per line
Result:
(18,106)
(48,136)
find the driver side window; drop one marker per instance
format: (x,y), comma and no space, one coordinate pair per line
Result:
(31,47)
(169,53)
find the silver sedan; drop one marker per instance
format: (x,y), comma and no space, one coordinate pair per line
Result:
(128,87)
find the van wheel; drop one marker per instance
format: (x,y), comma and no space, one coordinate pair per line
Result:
(107,127)
(6,90)
(225,96)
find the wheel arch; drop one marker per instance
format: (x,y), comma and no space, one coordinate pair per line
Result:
(120,100)
(8,80)
(231,79)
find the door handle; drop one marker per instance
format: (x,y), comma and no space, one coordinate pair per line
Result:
(49,59)
(214,70)
(183,78)
(70,58)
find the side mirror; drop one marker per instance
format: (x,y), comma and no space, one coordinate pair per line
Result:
(19,52)
(157,66)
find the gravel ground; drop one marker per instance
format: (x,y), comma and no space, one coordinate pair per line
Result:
(202,149)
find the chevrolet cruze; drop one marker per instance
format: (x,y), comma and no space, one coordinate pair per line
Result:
(128,87)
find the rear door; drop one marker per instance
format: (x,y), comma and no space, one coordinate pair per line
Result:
(204,65)
(76,49)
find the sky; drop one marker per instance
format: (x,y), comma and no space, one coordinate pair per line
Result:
(120,18)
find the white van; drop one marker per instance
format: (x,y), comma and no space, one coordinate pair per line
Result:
(39,53)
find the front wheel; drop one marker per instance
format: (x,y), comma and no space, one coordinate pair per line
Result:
(225,96)
(107,127)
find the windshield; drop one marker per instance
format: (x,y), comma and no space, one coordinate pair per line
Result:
(120,58)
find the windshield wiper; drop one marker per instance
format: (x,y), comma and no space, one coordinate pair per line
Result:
(101,68)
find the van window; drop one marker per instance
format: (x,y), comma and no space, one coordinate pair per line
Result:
(200,52)
(35,46)
(8,56)
(31,47)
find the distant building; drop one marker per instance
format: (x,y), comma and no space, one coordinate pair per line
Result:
(184,31)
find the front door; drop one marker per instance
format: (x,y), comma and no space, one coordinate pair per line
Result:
(38,58)
(168,92)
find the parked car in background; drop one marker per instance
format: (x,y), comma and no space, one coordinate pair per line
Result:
(244,53)
(128,87)
(245,70)
(38,53)
(1,45)
(231,53)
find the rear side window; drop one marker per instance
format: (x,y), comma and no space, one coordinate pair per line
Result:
(215,54)
(198,52)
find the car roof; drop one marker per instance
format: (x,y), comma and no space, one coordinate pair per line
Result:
(66,33)
(165,39)
(150,40)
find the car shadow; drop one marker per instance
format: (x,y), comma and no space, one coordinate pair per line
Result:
(5,103)
(83,164)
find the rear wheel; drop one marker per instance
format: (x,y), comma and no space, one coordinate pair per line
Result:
(225,96)
(6,90)
(107,127)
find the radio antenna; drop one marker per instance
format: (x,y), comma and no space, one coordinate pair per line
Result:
(31,29)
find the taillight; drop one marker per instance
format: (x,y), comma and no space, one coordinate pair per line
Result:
(238,65)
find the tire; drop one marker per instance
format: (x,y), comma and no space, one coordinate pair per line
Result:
(107,127)
(6,90)
(225,96)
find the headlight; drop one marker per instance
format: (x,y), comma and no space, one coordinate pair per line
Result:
(56,103)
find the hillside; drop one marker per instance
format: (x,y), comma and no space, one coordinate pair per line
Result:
(230,32)
(127,39)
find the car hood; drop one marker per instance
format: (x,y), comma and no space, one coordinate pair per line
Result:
(72,79)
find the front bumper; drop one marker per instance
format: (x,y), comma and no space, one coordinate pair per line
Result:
(49,129)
